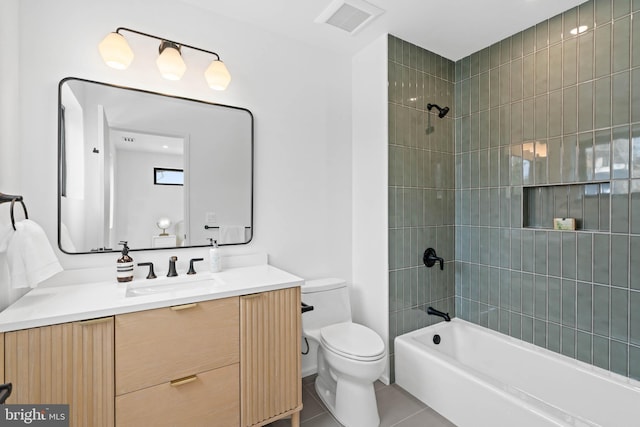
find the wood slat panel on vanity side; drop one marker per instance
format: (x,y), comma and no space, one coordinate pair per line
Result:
(70,363)
(270,371)
(94,382)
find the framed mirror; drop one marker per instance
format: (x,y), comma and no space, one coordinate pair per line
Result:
(154,170)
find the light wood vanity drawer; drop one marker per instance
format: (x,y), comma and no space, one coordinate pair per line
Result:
(211,400)
(157,346)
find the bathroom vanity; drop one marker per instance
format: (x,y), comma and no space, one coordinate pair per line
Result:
(224,350)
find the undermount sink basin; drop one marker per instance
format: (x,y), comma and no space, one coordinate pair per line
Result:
(169,284)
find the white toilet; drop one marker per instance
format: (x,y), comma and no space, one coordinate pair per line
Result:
(350,356)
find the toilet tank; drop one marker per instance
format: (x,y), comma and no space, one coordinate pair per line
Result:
(330,301)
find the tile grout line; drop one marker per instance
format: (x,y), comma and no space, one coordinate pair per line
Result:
(406,418)
(311,391)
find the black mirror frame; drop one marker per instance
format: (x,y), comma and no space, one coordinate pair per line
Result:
(62,173)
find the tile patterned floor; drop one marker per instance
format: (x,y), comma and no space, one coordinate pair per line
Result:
(396,407)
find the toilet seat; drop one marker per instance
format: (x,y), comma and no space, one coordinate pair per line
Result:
(352,341)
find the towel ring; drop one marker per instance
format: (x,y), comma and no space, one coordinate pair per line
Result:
(24,208)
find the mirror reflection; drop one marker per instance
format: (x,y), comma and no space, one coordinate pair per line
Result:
(154,170)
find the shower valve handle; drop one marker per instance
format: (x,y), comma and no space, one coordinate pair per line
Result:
(430,258)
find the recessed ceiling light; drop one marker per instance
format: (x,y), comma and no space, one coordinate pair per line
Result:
(165,146)
(579,30)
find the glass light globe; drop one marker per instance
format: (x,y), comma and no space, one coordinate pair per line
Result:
(170,63)
(115,51)
(217,75)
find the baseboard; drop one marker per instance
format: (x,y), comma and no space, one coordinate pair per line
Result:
(309,371)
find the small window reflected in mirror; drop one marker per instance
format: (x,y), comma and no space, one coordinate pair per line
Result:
(164,176)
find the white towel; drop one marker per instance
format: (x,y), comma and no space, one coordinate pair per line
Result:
(231,234)
(30,257)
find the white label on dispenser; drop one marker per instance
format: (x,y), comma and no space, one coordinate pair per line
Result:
(125,271)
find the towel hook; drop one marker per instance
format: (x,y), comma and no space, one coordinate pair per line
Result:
(4,198)
(24,208)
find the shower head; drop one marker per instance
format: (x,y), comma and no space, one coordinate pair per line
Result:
(441,111)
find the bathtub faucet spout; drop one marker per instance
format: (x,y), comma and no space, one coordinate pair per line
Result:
(432,311)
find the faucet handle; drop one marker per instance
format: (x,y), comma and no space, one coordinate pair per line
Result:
(191,261)
(152,274)
(430,258)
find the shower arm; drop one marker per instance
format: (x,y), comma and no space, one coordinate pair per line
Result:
(442,111)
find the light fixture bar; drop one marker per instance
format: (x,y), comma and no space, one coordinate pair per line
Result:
(116,53)
(166,40)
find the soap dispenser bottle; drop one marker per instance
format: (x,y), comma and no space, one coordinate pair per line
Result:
(214,257)
(125,264)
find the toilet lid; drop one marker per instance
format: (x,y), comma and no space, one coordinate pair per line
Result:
(352,340)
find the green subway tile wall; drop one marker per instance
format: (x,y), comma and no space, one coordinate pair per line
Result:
(421,186)
(547,107)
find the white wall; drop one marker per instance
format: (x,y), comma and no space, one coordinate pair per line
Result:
(10,104)
(75,201)
(370,289)
(227,154)
(10,100)
(302,199)
(140,202)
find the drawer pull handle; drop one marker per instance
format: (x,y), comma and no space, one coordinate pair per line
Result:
(183,381)
(252,296)
(183,307)
(95,321)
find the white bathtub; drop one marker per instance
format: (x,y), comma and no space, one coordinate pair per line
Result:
(477,377)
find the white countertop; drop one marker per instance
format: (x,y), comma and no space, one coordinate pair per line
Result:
(60,304)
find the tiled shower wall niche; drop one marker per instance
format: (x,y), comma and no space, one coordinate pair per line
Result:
(421,187)
(545,107)
(588,204)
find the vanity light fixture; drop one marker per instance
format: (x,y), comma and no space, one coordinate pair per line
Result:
(116,53)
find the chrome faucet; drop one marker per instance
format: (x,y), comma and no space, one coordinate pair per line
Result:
(172,267)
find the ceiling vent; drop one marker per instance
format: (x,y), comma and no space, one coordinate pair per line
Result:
(350,15)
